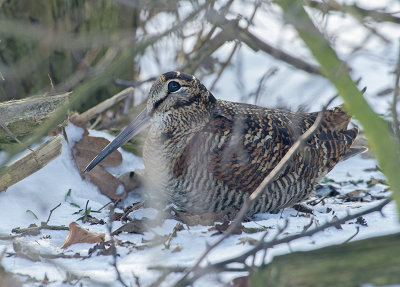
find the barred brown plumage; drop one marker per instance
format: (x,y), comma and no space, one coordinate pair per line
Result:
(206,154)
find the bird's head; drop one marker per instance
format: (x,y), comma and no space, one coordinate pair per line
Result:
(176,90)
(171,92)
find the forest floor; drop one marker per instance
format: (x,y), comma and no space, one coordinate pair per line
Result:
(352,186)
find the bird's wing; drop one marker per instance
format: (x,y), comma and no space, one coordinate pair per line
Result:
(238,148)
(243,143)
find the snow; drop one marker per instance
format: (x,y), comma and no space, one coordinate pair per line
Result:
(48,187)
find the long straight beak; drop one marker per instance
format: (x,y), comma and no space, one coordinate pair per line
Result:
(139,124)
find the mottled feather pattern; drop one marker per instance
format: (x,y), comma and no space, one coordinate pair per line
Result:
(210,155)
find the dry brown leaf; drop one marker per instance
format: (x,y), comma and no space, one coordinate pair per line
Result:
(78,234)
(84,151)
(224,226)
(302,208)
(135,226)
(103,248)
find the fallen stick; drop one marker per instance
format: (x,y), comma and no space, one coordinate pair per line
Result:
(83,118)
(30,163)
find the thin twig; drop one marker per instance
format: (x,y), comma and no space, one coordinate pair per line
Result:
(255,194)
(10,133)
(177,227)
(101,208)
(51,212)
(103,106)
(351,237)
(35,230)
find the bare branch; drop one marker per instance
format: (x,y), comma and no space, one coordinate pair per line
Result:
(378,16)
(103,106)
(51,212)
(232,30)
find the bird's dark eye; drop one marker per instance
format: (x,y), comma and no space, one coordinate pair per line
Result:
(173,86)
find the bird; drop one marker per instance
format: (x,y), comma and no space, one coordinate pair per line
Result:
(208,155)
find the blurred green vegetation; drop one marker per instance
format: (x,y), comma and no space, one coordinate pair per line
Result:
(33,65)
(374,261)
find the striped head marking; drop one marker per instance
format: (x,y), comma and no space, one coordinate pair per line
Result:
(171,91)
(174,90)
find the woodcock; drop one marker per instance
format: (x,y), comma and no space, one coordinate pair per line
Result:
(206,154)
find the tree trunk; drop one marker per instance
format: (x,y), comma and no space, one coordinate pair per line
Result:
(30,163)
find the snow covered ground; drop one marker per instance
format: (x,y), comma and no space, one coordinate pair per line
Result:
(44,190)
(48,187)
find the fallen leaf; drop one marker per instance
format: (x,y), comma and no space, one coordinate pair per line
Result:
(91,219)
(78,234)
(117,216)
(302,208)
(224,226)
(84,151)
(356,195)
(136,226)
(103,248)
(373,181)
